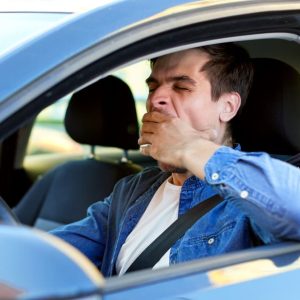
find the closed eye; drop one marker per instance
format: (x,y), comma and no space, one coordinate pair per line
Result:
(181,88)
(151,89)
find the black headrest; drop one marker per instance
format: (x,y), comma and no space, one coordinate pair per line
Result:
(270,120)
(103,114)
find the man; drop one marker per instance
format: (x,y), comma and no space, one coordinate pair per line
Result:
(193,96)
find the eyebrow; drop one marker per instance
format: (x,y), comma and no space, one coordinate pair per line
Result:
(180,78)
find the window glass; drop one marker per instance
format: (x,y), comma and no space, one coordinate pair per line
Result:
(48,133)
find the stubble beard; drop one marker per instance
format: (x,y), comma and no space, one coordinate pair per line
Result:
(169,168)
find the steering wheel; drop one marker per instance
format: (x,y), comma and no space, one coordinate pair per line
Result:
(7,217)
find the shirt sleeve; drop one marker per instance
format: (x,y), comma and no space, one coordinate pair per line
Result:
(89,234)
(264,188)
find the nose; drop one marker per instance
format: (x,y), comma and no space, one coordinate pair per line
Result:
(159,99)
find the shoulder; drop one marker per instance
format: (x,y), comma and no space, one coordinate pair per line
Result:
(130,188)
(146,178)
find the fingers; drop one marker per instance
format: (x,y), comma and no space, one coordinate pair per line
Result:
(151,122)
(150,127)
(145,139)
(155,116)
(145,149)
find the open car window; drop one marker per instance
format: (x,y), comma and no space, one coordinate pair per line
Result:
(48,133)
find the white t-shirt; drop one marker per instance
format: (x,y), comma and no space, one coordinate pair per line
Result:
(159,215)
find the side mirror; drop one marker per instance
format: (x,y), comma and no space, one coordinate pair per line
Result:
(37,265)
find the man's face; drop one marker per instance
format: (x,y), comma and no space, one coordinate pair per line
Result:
(178,88)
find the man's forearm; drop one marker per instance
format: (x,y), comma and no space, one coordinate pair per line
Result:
(266,189)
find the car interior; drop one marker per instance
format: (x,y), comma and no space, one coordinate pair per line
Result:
(90,119)
(61,182)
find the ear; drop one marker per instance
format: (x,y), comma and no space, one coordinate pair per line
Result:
(229,106)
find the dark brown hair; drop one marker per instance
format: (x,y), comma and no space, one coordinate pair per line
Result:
(228,70)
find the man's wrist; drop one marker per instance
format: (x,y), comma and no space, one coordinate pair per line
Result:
(197,154)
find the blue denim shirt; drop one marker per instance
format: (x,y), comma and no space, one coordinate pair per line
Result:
(261,204)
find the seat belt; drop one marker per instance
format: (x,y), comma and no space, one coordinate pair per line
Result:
(155,251)
(294,160)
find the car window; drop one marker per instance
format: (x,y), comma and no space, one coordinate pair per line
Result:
(48,134)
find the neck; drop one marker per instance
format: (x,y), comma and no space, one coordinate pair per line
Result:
(227,137)
(180,178)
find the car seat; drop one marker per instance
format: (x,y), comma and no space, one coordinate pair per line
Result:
(101,114)
(270,120)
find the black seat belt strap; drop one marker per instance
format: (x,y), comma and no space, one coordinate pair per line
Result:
(294,160)
(155,251)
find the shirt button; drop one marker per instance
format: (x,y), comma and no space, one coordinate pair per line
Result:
(244,194)
(211,241)
(214,176)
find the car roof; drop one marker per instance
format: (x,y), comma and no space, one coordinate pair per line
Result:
(63,6)
(25,20)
